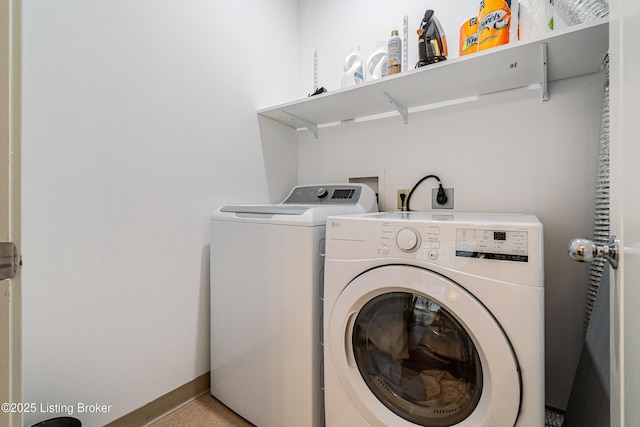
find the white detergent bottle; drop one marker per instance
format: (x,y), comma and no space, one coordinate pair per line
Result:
(353,72)
(377,64)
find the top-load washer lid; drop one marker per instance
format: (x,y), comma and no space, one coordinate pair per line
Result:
(302,198)
(266,209)
(305,205)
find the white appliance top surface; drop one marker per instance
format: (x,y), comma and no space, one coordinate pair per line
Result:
(458,217)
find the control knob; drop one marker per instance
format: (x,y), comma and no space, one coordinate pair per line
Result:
(408,240)
(321,193)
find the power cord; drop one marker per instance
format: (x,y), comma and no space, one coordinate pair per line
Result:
(441,197)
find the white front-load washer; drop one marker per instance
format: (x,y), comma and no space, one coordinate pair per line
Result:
(434,320)
(266,275)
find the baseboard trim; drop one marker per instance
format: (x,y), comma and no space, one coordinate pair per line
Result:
(164,404)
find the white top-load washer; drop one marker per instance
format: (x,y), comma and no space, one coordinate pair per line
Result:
(434,320)
(266,308)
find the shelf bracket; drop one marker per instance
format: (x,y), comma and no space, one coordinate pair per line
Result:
(404,112)
(545,89)
(306,123)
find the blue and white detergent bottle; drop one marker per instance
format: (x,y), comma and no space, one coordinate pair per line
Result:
(353,71)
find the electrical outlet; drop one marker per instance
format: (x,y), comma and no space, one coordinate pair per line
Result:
(402,197)
(434,195)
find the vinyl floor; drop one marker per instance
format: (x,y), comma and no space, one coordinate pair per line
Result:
(205,411)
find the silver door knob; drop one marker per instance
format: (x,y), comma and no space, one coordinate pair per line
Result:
(585,250)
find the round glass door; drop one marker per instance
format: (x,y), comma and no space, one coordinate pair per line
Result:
(417,359)
(411,347)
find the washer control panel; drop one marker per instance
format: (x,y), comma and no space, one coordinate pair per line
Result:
(444,244)
(324,194)
(488,246)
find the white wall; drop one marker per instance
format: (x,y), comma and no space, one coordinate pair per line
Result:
(507,152)
(139,120)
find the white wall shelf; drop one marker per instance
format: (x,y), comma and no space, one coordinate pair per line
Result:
(572,52)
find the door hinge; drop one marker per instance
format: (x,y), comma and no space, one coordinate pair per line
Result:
(9,260)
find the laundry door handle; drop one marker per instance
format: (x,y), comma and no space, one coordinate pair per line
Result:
(348,342)
(585,250)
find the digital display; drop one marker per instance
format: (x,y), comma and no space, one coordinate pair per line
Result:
(343,194)
(492,244)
